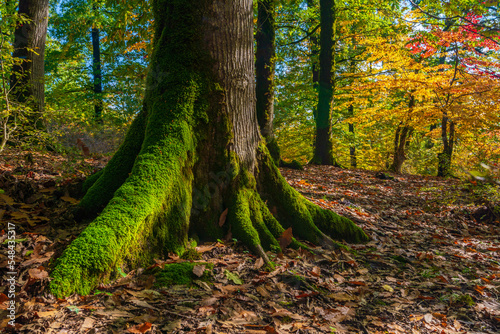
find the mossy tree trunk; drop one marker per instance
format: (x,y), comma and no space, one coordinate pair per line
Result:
(193,152)
(323,147)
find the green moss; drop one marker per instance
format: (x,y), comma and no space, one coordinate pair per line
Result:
(294,164)
(464,299)
(181,274)
(191,254)
(100,187)
(89,182)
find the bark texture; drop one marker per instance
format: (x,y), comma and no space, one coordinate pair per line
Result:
(264,67)
(323,147)
(191,154)
(29,45)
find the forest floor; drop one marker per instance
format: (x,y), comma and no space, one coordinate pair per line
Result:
(432,265)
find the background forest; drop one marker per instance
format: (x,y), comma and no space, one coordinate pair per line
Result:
(411,80)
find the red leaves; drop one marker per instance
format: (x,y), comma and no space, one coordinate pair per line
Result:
(142,328)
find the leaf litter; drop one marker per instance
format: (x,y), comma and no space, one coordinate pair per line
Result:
(429,268)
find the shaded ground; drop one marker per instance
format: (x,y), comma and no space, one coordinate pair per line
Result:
(430,268)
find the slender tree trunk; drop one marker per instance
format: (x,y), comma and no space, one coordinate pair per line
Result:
(447,135)
(193,153)
(350,112)
(448,139)
(265,67)
(314,51)
(352,148)
(27,78)
(323,154)
(96,70)
(401,141)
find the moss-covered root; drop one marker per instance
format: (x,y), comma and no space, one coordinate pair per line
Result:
(246,225)
(253,224)
(292,209)
(150,211)
(338,227)
(100,187)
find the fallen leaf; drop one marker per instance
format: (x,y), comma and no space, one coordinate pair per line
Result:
(286,238)
(8,200)
(387,288)
(88,323)
(142,328)
(70,200)
(341,297)
(198,270)
(222,218)
(259,263)
(46,314)
(233,277)
(38,274)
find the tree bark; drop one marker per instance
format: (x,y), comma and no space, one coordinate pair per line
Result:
(401,141)
(323,154)
(193,152)
(27,78)
(352,148)
(96,70)
(264,66)
(448,139)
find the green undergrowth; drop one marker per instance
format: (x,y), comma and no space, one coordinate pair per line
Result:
(181,274)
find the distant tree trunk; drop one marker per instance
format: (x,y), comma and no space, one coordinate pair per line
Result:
(323,154)
(96,70)
(447,135)
(192,154)
(401,141)
(314,51)
(27,78)
(350,112)
(264,67)
(448,139)
(352,148)
(400,144)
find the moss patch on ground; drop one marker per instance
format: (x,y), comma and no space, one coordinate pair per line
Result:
(182,274)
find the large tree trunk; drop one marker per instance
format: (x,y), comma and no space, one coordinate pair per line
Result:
(96,69)
(193,152)
(27,78)
(323,147)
